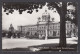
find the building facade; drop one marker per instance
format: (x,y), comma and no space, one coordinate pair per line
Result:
(46,27)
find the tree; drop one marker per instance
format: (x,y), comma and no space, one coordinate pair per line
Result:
(29,6)
(72,13)
(61,7)
(36,34)
(62,25)
(27,33)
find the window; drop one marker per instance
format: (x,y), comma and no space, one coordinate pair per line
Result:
(53,27)
(67,26)
(50,32)
(71,26)
(59,26)
(39,27)
(50,28)
(58,32)
(42,27)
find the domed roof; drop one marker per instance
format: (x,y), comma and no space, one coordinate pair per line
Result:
(45,13)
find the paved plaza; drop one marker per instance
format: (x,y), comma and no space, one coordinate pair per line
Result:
(24,43)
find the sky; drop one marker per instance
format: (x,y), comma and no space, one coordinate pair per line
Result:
(25,18)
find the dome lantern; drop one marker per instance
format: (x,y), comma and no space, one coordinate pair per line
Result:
(45,16)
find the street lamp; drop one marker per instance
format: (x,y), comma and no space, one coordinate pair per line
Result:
(38,25)
(47,24)
(47,29)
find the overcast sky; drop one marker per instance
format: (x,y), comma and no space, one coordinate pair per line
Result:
(25,18)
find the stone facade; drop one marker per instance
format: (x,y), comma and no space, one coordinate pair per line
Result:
(47,26)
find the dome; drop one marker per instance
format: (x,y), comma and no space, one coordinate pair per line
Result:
(45,16)
(45,13)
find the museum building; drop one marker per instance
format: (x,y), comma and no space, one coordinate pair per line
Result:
(46,26)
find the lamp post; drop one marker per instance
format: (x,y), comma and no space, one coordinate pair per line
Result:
(47,27)
(38,25)
(47,30)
